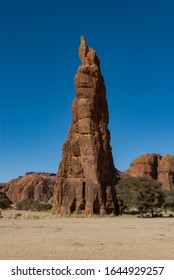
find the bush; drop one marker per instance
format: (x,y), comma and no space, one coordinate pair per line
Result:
(34,205)
(4,201)
(169,200)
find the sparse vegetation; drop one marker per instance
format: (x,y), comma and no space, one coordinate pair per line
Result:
(31,204)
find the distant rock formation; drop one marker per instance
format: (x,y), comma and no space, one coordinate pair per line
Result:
(34,185)
(86,175)
(155,166)
(145,165)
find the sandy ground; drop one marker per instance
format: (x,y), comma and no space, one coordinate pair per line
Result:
(37,236)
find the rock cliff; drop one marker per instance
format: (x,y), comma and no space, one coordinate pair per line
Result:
(86,175)
(34,185)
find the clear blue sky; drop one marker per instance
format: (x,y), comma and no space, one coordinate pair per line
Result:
(39,42)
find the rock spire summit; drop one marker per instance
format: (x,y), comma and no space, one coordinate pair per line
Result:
(87,54)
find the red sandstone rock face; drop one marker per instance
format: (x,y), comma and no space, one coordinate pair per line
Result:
(145,165)
(153,166)
(166,172)
(86,175)
(34,185)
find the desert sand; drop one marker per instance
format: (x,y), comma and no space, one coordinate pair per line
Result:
(30,235)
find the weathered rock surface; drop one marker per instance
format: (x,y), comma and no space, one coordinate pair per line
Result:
(86,175)
(34,185)
(155,166)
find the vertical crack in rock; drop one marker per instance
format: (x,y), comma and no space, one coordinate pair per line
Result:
(86,177)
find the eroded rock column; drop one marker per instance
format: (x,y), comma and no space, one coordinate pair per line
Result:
(86,177)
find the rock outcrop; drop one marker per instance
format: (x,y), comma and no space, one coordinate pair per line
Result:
(166,172)
(86,175)
(155,166)
(34,185)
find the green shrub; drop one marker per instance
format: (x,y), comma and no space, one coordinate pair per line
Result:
(4,201)
(33,205)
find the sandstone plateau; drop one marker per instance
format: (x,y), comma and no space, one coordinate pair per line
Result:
(155,166)
(86,175)
(34,185)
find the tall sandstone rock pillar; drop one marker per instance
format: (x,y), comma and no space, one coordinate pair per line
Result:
(86,177)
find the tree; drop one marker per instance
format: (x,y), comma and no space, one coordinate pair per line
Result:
(4,201)
(141,192)
(125,193)
(150,196)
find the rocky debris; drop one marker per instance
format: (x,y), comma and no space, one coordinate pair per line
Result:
(34,185)
(155,166)
(86,175)
(166,171)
